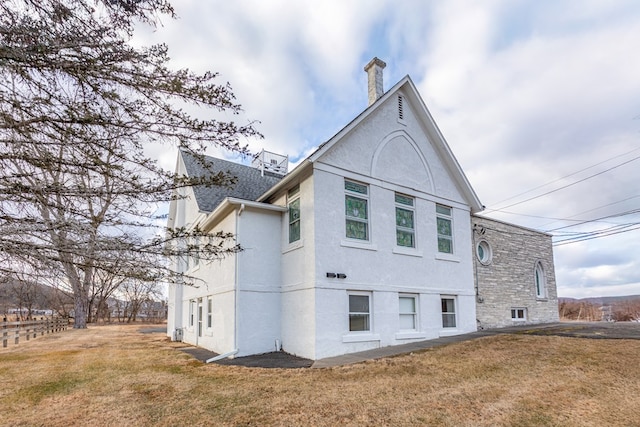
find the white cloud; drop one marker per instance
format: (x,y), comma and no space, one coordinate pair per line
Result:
(524,92)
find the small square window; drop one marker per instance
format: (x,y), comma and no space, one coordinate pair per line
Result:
(519,314)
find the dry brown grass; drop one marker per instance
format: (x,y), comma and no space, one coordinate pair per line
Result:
(115,376)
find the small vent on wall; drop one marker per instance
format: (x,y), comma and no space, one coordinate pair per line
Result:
(400,107)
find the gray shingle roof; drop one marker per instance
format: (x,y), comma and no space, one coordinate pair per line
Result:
(249,186)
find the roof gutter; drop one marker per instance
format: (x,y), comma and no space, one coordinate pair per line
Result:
(284,182)
(231,203)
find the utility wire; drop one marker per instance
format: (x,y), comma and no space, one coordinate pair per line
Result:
(563,242)
(631,212)
(568,185)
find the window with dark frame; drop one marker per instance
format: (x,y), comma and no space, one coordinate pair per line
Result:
(448,312)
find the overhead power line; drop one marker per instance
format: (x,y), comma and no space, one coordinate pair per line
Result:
(564,177)
(596,235)
(616,215)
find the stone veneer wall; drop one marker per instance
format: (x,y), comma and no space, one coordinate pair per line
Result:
(508,280)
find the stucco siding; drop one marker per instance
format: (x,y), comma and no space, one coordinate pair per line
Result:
(259,280)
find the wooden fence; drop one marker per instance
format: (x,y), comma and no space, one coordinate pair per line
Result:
(27,329)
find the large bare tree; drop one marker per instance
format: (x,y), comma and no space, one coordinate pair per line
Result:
(79,108)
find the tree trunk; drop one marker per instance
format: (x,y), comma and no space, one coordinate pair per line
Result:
(81,307)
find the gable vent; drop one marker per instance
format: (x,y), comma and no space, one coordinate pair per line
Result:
(400,107)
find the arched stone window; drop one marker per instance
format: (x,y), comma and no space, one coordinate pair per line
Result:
(540,281)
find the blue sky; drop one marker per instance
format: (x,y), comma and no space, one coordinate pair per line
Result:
(529,95)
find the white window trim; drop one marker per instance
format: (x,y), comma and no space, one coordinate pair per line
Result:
(209,313)
(292,196)
(517,319)
(361,196)
(450,218)
(412,209)
(402,250)
(487,248)
(539,270)
(370,296)
(455,313)
(191,320)
(416,313)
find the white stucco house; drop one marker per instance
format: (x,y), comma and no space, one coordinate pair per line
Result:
(371,241)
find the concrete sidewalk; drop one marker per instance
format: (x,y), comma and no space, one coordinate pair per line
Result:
(593,330)
(378,353)
(617,330)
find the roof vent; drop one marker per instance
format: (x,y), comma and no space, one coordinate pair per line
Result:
(267,161)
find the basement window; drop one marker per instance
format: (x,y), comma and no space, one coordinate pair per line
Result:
(519,314)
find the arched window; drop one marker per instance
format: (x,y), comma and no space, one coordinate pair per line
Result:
(540,282)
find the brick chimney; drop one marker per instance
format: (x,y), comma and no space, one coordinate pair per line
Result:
(374,71)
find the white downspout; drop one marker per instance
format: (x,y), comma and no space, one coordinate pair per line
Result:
(236,284)
(235,300)
(221,356)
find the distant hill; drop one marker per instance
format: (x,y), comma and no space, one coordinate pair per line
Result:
(601,300)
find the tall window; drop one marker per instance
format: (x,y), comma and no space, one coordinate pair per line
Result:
(405,228)
(408,312)
(294,214)
(200,317)
(196,253)
(359,313)
(209,312)
(448,312)
(540,282)
(445,233)
(356,210)
(192,312)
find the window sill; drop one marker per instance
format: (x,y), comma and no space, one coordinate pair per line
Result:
(359,245)
(410,335)
(447,257)
(542,299)
(360,337)
(447,332)
(293,246)
(407,251)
